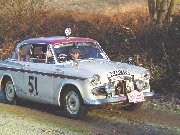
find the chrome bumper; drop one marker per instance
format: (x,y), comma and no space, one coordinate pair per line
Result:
(149,94)
(105,100)
(113,99)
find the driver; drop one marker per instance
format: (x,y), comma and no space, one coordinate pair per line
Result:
(74,54)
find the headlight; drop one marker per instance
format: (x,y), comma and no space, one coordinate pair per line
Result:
(95,80)
(109,87)
(146,75)
(139,84)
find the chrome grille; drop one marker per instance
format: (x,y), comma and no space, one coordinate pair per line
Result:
(120,88)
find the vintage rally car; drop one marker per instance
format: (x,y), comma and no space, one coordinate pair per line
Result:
(71,72)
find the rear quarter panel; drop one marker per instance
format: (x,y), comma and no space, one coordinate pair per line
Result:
(13,70)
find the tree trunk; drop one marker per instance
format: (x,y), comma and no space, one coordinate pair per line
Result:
(170,11)
(160,11)
(151,5)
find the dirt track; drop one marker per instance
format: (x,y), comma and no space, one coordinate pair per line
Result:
(33,118)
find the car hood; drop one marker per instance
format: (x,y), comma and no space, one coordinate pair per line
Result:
(102,68)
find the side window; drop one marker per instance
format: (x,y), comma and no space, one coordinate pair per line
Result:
(24,53)
(38,53)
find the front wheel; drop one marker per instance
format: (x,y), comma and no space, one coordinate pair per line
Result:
(9,92)
(72,104)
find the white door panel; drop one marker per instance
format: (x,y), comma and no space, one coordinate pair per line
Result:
(37,80)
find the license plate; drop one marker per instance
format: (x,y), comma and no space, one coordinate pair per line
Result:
(135,96)
(122,98)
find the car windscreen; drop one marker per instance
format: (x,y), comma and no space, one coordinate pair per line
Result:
(87,50)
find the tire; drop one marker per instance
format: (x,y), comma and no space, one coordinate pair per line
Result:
(9,92)
(132,106)
(72,104)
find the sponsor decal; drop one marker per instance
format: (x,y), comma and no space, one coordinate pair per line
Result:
(122,98)
(58,45)
(118,72)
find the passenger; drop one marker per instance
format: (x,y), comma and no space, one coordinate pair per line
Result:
(50,59)
(49,54)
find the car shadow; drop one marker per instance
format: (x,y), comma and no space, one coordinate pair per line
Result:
(47,108)
(36,106)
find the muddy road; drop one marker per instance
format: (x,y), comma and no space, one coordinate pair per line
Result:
(33,118)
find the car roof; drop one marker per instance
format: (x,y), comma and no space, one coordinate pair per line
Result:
(56,40)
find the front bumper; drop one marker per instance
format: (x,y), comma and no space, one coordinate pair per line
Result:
(118,99)
(149,94)
(105,100)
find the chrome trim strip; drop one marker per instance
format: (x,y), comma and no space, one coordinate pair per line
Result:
(42,73)
(103,101)
(149,94)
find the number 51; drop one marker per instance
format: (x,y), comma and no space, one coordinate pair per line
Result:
(33,84)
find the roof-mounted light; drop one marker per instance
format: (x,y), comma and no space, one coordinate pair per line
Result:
(68,32)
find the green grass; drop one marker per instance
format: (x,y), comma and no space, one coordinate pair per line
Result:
(35,116)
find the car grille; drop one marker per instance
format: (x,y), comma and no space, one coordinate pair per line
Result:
(120,88)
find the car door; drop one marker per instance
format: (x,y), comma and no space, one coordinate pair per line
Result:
(38,80)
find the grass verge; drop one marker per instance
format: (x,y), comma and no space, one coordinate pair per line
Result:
(37,117)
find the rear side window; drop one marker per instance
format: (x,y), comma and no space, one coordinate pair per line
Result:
(33,53)
(24,53)
(38,53)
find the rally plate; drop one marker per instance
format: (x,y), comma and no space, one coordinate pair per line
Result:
(135,96)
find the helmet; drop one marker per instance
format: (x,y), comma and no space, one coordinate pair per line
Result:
(74,50)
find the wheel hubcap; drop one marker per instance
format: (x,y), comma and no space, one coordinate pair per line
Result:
(9,90)
(72,102)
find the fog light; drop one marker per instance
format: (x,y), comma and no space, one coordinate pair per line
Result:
(109,88)
(139,84)
(98,91)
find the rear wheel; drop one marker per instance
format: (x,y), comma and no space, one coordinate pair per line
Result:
(72,103)
(9,92)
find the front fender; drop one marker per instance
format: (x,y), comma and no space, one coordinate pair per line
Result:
(58,88)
